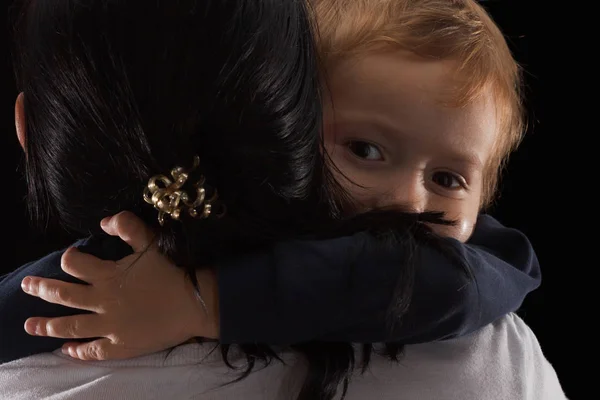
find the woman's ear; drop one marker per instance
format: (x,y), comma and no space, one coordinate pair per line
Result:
(20,119)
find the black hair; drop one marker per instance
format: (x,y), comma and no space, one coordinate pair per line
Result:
(118,91)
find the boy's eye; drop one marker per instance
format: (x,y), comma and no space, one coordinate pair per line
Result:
(448,180)
(365,150)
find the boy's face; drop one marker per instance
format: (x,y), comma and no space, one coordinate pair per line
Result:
(387,131)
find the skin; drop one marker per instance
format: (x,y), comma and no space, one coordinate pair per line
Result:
(396,143)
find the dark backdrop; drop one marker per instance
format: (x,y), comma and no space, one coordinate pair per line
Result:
(531,192)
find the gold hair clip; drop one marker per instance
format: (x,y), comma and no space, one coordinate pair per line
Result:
(172,201)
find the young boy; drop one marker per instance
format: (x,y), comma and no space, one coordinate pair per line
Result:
(423,109)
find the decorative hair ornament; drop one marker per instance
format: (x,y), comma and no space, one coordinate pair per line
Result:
(168,197)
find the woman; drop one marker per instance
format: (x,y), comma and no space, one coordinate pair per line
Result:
(138,95)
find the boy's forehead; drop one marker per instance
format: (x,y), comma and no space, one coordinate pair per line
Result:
(401,73)
(406,98)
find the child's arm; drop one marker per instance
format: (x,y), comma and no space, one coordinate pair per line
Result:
(291,301)
(330,291)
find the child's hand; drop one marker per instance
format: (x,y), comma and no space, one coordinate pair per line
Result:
(141,304)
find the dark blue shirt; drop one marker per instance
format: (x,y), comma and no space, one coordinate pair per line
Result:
(337,290)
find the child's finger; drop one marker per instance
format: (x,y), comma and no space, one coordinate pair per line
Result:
(54,291)
(97,350)
(83,326)
(131,229)
(85,266)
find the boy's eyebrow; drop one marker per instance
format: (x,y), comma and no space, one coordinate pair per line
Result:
(380,124)
(465,156)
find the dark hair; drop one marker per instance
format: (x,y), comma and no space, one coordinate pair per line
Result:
(118,91)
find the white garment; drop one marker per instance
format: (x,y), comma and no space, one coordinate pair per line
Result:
(502,361)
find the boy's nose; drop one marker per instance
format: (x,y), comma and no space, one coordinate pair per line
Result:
(410,194)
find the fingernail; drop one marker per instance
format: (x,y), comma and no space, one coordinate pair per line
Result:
(31,327)
(104,222)
(26,284)
(65,350)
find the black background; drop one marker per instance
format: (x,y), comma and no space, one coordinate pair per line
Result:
(533,197)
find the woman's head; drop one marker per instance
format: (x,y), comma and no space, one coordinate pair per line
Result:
(115,92)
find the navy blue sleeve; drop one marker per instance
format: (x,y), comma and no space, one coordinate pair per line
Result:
(340,289)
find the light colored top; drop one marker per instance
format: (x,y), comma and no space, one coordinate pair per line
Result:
(502,361)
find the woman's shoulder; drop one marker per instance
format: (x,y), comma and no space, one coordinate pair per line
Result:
(49,265)
(187,371)
(42,266)
(502,360)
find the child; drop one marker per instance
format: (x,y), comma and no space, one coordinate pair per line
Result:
(425,110)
